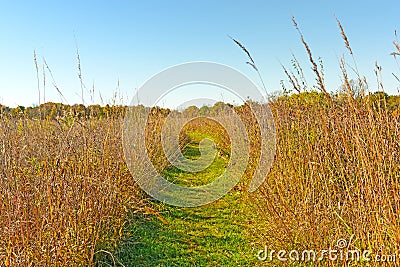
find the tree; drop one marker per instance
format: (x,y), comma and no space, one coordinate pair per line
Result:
(357,88)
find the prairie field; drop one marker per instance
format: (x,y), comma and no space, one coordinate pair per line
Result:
(68,196)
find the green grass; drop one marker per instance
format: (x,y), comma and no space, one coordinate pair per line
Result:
(217,234)
(192,152)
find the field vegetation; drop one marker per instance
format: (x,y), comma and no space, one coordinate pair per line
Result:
(68,198)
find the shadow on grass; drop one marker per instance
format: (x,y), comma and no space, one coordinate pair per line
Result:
(212,235)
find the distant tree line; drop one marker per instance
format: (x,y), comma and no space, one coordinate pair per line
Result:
(53,111)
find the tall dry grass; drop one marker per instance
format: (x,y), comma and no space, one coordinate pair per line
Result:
(65,190)
(337,169)
(336,175)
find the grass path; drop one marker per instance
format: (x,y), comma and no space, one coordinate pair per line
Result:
(217,234)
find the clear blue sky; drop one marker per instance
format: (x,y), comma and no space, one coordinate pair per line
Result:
(129,41)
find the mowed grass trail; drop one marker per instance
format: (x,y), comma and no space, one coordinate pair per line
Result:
(218,234)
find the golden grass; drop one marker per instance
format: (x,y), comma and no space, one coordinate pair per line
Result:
(336,175)
(65,189)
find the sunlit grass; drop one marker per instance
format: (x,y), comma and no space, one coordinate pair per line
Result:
(218,234)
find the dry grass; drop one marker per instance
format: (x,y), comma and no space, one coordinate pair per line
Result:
(337,170)
(65,189)
(336,175)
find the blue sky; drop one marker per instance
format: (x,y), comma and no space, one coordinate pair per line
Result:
(130,41)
